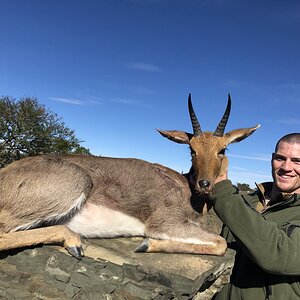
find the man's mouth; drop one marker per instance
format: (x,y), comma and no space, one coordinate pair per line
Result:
(285,176)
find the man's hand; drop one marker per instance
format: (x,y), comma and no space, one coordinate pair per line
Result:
(221,177)
(223,171)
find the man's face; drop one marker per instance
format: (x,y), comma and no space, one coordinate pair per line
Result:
(286,167)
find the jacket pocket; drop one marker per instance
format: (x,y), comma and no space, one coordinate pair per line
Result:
(289,227)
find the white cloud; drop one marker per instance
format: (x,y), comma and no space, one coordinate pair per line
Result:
(68,100)
(91,100)
(255,175)
(125,101)
(292,121)
(143,67)
(239,168)
(262,157)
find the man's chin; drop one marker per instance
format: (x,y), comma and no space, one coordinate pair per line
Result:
(285,187)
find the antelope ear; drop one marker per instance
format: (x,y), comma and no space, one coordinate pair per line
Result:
(176,136)
(238,135)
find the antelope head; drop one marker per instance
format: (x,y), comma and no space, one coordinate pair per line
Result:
(208,148)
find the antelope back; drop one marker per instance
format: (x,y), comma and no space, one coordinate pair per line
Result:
(208,148)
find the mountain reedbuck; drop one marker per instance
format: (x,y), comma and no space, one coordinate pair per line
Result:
(56,199)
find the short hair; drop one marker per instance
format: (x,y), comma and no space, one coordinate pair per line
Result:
(290,138)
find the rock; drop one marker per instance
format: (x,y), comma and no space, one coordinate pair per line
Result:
(110,270)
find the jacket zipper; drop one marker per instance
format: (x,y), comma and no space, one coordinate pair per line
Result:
(268,292)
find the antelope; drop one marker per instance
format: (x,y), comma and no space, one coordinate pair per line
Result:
(57,199)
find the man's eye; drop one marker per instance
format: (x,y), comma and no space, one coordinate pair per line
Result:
(278,158)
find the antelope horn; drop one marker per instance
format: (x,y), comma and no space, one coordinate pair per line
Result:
(221,126)
(195,123)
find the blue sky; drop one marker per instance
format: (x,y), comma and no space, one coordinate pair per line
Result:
(116,70)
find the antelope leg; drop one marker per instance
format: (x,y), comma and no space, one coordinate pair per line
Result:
(58,234)
(217,246)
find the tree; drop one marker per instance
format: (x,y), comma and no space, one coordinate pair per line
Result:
(244,187)
(27,128)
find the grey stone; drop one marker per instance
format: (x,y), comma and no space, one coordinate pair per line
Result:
(95,296)
(141,291)
(103,287)
(80,279)
(71,290)
(133,272)
(62,278)
(110,270)
(61,286)
(4,283)
(14,293)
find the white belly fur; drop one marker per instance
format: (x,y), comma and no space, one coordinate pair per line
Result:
(100,221)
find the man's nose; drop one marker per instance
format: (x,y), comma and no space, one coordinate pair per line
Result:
(287,165)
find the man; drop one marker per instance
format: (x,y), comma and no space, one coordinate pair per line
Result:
(264,229)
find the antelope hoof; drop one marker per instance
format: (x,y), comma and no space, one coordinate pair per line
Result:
(143,246)
(76,251)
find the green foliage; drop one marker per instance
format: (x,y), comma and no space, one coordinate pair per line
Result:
(244,187)
(27,128)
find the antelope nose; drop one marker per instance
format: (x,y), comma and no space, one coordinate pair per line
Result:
(204,184)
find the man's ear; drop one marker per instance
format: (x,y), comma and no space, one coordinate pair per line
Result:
(180,137)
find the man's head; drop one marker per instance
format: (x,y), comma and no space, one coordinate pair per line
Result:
(286,164)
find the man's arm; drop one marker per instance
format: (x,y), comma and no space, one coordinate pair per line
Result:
(270,247)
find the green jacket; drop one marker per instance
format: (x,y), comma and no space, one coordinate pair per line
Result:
(267,244)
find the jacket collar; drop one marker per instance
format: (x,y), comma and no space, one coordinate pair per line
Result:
(265,190)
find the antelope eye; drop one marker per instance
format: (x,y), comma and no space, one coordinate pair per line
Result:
(193,153)
(222,152)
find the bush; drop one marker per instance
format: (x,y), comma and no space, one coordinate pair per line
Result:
(27,128)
